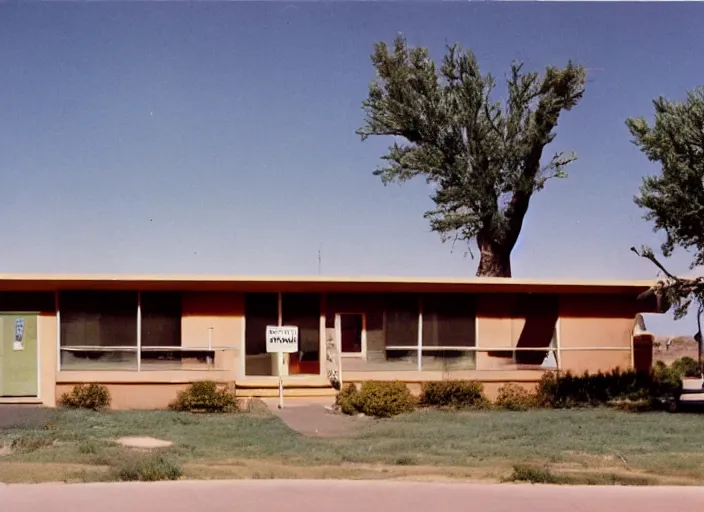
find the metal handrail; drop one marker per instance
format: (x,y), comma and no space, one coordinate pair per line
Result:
(124,348)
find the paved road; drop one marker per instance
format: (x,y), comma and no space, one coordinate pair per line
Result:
(342,496)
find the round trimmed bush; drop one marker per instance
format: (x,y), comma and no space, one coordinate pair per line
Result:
(513,397)
(383,399)
(92,396)
(348,400)
(205,396)
(457,394)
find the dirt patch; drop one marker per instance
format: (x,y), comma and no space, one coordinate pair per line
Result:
(36,472)
(620,476)
(488,472)
(593,460)
(270,469)
(143,442)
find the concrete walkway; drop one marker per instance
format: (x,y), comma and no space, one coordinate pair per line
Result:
(310,417)
(12,416)
(342,496)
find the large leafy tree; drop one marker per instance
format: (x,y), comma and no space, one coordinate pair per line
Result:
(483,157)
(673,199)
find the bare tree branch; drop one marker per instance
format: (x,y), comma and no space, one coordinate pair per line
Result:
(673,291)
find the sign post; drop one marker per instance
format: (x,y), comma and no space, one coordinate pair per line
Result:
(281,340)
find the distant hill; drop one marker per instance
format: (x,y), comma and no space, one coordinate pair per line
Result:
(677,341)
(679,346)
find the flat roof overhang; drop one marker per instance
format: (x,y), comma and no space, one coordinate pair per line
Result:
(222,283)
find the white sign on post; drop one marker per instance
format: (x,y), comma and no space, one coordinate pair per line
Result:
(281,339)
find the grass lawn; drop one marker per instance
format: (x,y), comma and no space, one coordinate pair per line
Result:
(592,446)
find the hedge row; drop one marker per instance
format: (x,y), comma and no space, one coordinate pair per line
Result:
(628,389)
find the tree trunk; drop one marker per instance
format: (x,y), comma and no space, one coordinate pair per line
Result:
(497,242)
(494,260)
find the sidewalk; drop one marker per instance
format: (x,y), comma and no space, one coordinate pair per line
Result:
(343,496)
(311,417)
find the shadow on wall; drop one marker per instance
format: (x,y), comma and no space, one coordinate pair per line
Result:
(538,332)
(535,318)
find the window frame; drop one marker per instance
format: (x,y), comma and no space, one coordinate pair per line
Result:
(431,311)
(137,349)
(362,354)
(99,349)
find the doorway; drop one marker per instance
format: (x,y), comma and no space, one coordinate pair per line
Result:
(351,332)
(18,355)
(303,310)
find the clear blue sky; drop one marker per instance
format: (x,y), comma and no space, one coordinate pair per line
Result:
(219,137)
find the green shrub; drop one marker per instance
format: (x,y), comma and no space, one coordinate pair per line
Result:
(383,399)
(149,468)
(666,385)
(513,397)
(405,460)
(458,394)
(535,475)
(659,365)
(628,390)
(88,447)
(546,390)
(205,396)
(686,367)
(348,400)
(543,475)
(87,396)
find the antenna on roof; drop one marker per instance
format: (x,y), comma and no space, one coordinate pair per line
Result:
(320,258)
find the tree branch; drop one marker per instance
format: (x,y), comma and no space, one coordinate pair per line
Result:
(648,254)
(673,290)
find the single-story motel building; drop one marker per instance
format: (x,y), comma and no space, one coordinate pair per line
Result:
(147,337)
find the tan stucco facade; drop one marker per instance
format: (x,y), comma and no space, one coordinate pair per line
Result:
(46,338)
(596,334)
(209,319)
(590,325)
(212,318)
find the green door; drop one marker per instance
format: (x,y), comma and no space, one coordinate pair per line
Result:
(18,355)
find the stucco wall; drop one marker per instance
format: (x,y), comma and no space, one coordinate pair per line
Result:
(136,396)
(218,313)
(495,328)
(47,335)
(596,322)
(593,361)
(218,316)
(508,320)
(600,325)
(155,395)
